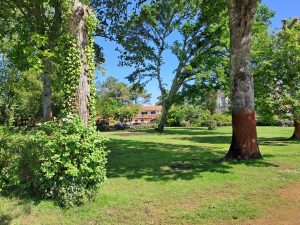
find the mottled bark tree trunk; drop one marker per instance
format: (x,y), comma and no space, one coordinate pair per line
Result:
(244,143)
(296,135)
(80,11)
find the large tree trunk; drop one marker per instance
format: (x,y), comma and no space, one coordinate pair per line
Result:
(80,11)
(47,95)
(244,145)
(167,103)
(296,135)
(163,120)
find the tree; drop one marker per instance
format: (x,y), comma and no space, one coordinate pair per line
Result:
(146,36)
(287,67)
(244,145)
(54,39)
(8,78)
(205,88)
(262,59)
(30,37)
(113,95)
(20,93)
(277,73)
(139,95)
(125,113)
(216,77)
(78,65)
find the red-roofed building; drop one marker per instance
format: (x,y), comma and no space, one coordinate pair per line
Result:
(147,114)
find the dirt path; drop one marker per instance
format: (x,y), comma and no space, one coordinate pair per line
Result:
(287,213)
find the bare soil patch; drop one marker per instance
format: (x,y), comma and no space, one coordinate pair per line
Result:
(291,193)
(287,213)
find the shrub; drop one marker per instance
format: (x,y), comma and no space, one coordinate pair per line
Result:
(221,119)
(102,125)
(289,123)
(119,126)
(9,160)
(63,161)
(279,123)
(142,126)
(211,124)
(175,116)
(205,116)
(274,122)
(184,123)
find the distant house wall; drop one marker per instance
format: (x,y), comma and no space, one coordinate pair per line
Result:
(147,114)
(222,103)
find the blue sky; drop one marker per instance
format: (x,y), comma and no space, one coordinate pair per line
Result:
(283,9)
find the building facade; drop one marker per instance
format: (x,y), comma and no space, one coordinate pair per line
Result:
(222,103)
(147,114)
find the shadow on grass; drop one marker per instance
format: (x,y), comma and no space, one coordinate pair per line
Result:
(181,131)
(161,162)
(277,141)
(213,139)
(226,139)
(5,219)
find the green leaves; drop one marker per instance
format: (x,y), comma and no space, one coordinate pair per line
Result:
(63,161)
(276,60)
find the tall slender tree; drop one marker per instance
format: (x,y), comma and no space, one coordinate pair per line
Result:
(29,38)
(244,145)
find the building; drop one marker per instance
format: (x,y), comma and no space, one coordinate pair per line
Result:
(222,103)
(147,114)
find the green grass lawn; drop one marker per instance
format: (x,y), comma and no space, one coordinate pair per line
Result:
(176,178)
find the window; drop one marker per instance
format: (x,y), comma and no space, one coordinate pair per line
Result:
(153,112)
(223,101)
(144,113)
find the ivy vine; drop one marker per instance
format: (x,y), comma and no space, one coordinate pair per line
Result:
(70,69)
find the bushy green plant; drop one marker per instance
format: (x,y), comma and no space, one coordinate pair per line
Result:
(186,112)
(9,159)
(63,161)
(211,124)
(184,123)
(221,119)
(202,118)
(144,126)
(175,116)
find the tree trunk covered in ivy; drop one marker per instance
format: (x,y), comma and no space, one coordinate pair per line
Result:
(244,145)
(80,11)
(81,26)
